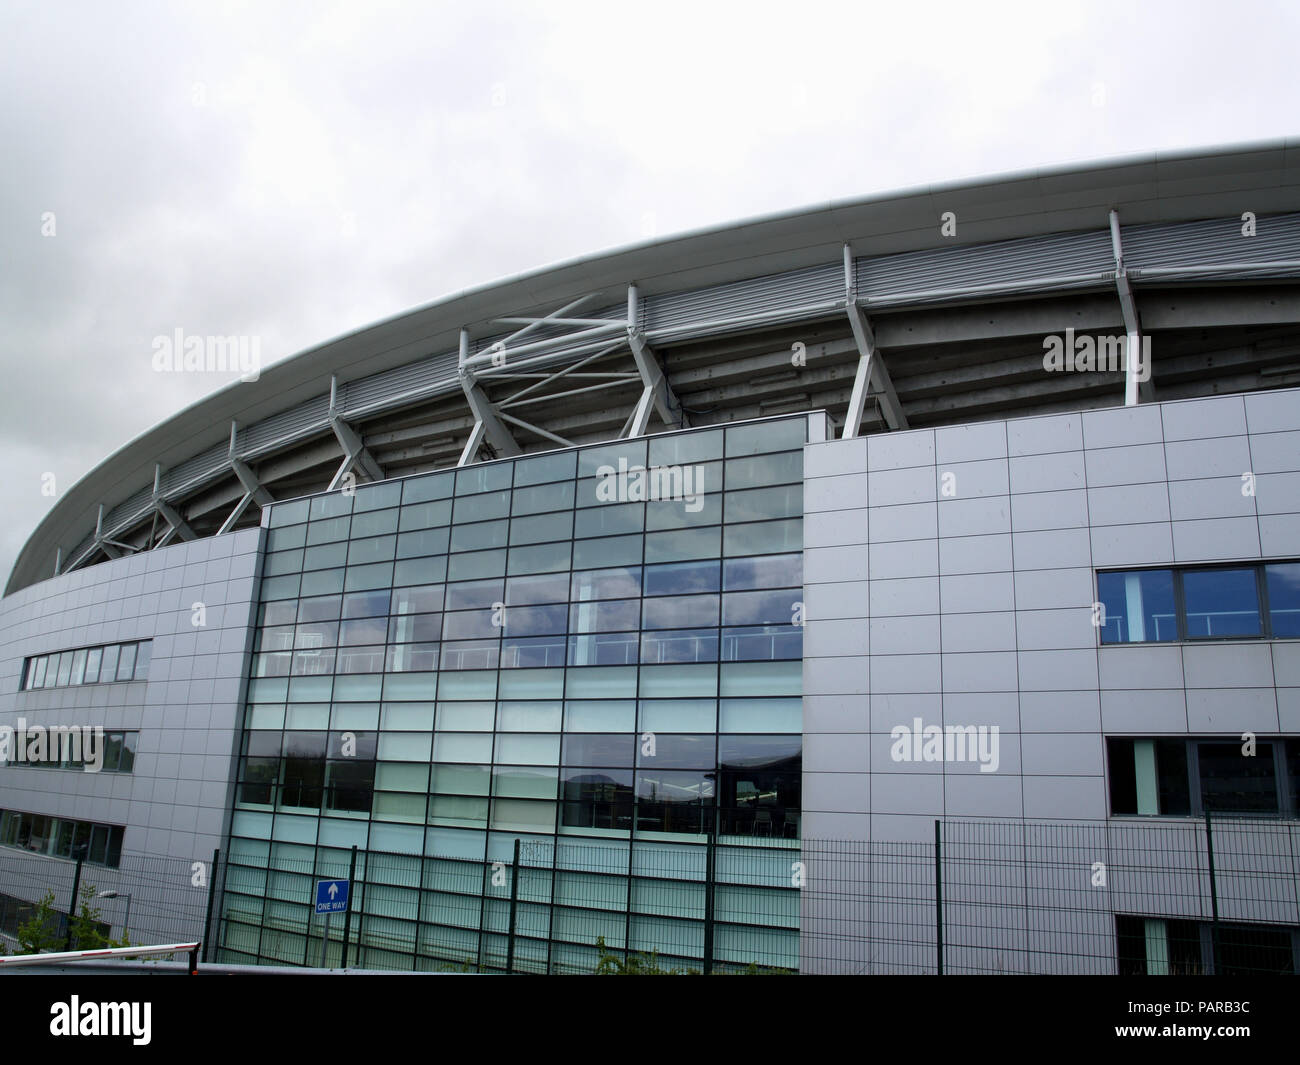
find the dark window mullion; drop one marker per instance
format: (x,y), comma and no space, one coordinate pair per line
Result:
(1196,804)
(1282,781)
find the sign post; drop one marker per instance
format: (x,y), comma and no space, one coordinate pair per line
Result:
(331,897)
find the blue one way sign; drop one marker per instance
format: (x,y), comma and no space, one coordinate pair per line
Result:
(331,896)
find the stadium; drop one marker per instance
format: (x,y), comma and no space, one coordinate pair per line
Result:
(826,592)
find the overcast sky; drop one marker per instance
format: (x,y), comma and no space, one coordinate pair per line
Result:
(295,170)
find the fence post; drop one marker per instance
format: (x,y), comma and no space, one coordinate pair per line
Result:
(482,914)
(514,902)
(212,891)
(347,915)
(1214,897)
(938,897)
(76,886)
(710,872)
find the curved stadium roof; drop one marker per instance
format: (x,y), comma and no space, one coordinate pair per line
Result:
(699,328)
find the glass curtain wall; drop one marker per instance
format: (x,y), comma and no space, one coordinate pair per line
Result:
(596,652)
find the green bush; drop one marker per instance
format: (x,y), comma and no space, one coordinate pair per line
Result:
(40,934)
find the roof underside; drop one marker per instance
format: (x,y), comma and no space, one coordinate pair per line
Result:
(743,322)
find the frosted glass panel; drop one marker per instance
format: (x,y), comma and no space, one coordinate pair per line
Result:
(356,716)
(600,715)
(678,715)
(762,678)
(761,715)
(529,716)
(266,716)
(601,682)
(532,684)
(466,717)
(308,716)
(410,687)
(404,747)
(407,717)
(528,749)
(396,777)
(400,807)
(679,681)
(357,689)
(456,747)
(247,823)
(477,684)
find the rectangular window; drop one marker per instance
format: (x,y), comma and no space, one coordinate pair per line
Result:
(1181,777)
(1283,582)
(86,665)
(60,838)
(1162,946)
(143,656)
(1201,603)
(1221,602)
(93,659)
(1232,782)
(1138,606)
(108,669)
(126,662)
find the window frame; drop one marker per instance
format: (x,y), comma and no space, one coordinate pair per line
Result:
(1177,573)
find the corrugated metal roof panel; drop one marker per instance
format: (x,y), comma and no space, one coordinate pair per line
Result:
(781,297)
(298,423)
(1020,264)
(1213,242)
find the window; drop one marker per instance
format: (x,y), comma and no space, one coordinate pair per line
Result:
(61,838)
(1221,602)
(88,665)
(1190,777)
(1282,583)
(118,752)
(1161,946)
(1202,603)
(1139,606)
(597,798)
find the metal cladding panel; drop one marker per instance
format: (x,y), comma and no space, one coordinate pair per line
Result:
(1214,242)
(128,511)
(297,423)
(1022,265)
(195,471)
(778,297)
(378,391)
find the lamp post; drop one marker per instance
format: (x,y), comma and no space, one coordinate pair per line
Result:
(126,923)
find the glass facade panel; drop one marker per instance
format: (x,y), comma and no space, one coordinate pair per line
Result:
(526,648)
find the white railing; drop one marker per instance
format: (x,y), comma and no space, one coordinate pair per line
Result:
(59,957)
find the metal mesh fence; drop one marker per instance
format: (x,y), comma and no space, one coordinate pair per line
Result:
(1051,897)
(153,900)
(1127,896)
